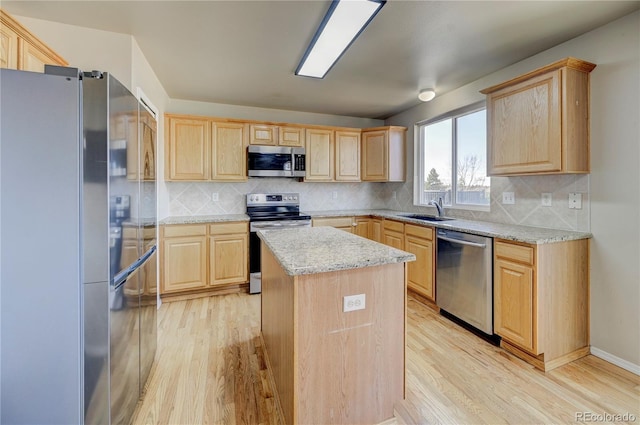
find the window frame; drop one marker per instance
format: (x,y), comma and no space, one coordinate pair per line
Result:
(419,173)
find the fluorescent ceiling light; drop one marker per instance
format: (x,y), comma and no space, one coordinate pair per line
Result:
(342,24)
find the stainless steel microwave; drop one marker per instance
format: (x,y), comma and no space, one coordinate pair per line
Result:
(276,161)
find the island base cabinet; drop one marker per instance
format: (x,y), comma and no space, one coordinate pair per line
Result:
(541,301)
(331,366)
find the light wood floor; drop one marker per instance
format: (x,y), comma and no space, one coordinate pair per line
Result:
(210,369)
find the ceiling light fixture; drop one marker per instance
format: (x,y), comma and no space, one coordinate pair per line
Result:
(426,95)
(342,24)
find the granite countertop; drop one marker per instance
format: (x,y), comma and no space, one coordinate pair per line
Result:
(199,219)
(325,249)
(527,234)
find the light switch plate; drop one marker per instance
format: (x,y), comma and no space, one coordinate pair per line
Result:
(575,201)
(546,200)
(508,198)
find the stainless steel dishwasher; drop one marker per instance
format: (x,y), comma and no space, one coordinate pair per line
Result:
(464,278)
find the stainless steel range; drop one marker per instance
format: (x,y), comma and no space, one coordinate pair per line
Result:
(268,211)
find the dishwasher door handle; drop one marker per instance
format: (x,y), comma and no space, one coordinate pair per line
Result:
(461,242)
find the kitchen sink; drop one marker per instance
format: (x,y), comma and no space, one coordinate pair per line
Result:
(426,217)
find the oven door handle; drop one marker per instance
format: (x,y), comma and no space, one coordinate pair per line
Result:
(299,224)
(266,226)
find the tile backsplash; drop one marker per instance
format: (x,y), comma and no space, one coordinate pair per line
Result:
(527,210)
(190,198)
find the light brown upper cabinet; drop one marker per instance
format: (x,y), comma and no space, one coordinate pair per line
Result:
(384,154)
(333,154)
(291,136)
(229,153)
(187,148)
(538,123)
(197,149)
(319,155)
(263,134)
(347,164)
(20,49)
(275,135)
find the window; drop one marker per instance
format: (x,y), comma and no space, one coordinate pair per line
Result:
(452,154)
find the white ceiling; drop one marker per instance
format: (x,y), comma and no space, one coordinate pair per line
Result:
(245,52)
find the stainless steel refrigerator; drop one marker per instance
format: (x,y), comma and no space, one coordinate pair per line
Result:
(78,248)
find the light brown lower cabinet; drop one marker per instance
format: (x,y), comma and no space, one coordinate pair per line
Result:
(375,230)
(419,241)
(228,246)
(343,223)
(362,227)
(393,233)
(201,257)
(541,302)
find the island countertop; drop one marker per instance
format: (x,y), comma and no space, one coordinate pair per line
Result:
(325,249)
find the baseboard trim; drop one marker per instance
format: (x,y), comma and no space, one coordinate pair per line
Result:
(624,364)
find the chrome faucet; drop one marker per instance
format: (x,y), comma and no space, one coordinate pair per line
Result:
(438,206)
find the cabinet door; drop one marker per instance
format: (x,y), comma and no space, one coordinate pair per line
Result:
(342,223)
(263,134)
(184,264)
(362,227)
(228,259)
(514,303)
(375,231)
(524,128)
(394,239)
(8,48)
(34,59)
(291,136)
(319,155)
(420,273)
(347,156)
(375,160)
(148,134)
(188,145)
(150,286)
(229,153)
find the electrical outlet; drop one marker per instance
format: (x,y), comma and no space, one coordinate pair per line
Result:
(353,302)
(334,195)
(393,195)
(546,200)
(575,201)
(214,197)
(508,198)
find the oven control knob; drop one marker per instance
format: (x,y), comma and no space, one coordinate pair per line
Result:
(295,198)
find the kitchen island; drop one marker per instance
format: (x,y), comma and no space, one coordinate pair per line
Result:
(335,359)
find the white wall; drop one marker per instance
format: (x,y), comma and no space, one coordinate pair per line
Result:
(614,197)
(86,48)
(118,54)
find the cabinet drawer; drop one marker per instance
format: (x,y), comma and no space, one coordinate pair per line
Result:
(396,226)
(228,228)
(419,231)
(333,222)
(520,253)
(184,230)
